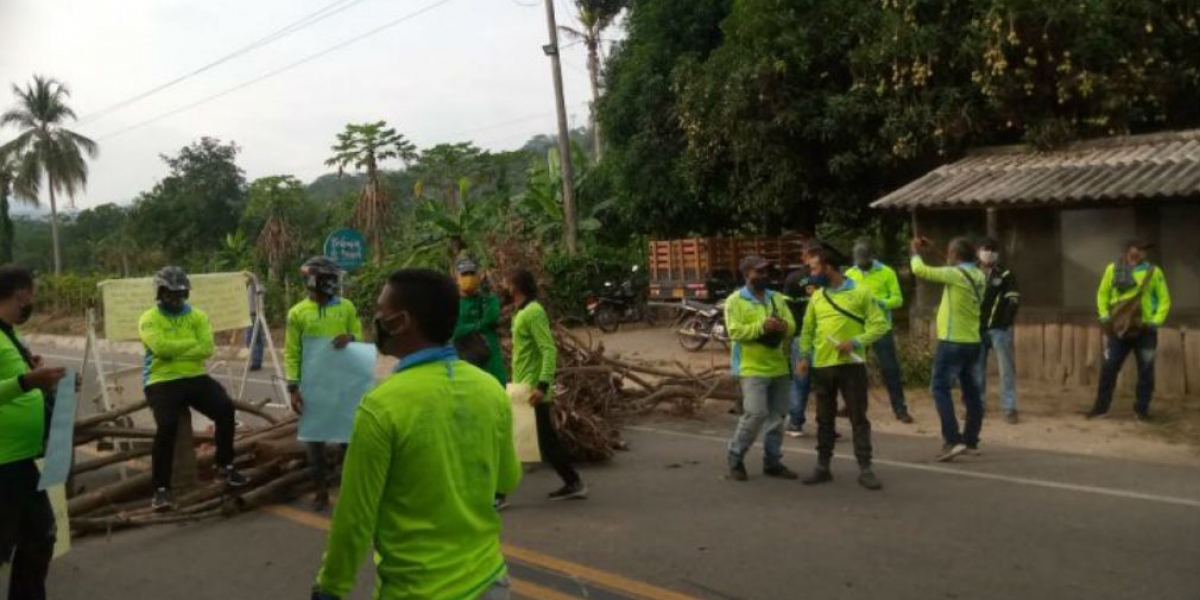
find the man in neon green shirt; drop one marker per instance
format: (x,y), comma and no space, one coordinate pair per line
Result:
(323,314)
(842,319)
(1123,281)
(881,281)
(958,342)
(179,340)
(26,519)
(534,362)
(431,445)
(761,327)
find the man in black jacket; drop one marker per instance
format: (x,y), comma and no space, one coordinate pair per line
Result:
(1000,302)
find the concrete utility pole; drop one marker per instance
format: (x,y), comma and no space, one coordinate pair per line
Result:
(564,136)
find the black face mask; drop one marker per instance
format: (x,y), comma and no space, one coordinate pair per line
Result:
(758,284)
(26,312)
(383,335)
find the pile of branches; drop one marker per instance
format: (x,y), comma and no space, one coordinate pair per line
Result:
(267,453)
(596,393)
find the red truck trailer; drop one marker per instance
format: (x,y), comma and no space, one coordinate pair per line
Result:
(703,268)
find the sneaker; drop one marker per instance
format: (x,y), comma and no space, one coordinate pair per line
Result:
(1011,418)
(574,491)
(1096,414)
(973,451)
(780,472)
(951,451)
(161,501)
(1141,417)
(869,480)
(320,501)
(738,473)
(794,431)
(232,477)
(905,418)
(500,503)
(819,475)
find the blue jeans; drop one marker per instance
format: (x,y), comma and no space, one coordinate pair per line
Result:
(999,341)
(957,361)
(764,407)
(798,404)
(889,366)
(256,351)
(1143,348)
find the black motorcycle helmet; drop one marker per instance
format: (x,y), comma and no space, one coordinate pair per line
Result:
(321,275)
(172,287)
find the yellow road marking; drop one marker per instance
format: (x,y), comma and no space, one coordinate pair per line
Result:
(536,592)
(604,579)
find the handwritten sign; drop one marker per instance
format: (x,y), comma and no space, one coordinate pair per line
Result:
(524,423)
(346,247)
(222,296)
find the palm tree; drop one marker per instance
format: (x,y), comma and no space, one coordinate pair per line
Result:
(594,17)
(365,146)
(275,199)
(45,148)
(23,191)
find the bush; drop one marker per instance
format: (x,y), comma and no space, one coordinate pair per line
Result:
(67,294)
(568,280)
(916,359)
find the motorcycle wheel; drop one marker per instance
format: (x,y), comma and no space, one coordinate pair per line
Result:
(694,334)
(607,318)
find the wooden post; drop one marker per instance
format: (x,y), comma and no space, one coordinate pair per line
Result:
(183,475)
(993,227)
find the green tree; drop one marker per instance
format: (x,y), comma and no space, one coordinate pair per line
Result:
(22,190)
(449,172)
(594,16)
(45,148)
(364,147)
(278,202)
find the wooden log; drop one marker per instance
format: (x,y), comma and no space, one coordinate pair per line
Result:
(255,410)
(104,461)
(132,433)
(111,415)
(1169,376)
(1191,361)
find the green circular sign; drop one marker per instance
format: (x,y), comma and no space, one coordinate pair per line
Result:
(347,247)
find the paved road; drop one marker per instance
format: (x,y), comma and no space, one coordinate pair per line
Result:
(662,523)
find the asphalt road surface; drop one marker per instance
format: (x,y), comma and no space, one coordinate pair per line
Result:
(662,523)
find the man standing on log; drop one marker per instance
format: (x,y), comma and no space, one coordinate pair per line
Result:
(322,315)
(26,519)
(761,327)
(958,342)
(431,445)
(880,280)
(1000,302)
(1133,302)
(841,320)
(534,363)
(178,340)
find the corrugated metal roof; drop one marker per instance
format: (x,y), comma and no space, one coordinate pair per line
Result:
(1159,166)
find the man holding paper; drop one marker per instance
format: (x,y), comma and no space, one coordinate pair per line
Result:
(841,321)
(431,445)
(322,315)
(26,519)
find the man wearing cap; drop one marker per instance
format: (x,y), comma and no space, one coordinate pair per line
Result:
(1133,303)
(475,335)
(880,280)
(761,327)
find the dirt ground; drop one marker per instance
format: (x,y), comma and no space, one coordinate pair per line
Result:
(1051,416)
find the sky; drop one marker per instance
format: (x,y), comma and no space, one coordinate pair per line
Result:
(462,70)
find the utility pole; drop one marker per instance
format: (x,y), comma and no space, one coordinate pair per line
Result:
(564,136)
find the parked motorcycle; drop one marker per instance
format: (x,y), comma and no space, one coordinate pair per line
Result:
(620,303)
(702,323)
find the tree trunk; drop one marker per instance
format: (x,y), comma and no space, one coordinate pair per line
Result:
(54,228)
(6,227)
(593,46)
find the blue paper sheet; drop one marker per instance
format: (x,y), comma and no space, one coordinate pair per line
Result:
(333,382)
(60,447)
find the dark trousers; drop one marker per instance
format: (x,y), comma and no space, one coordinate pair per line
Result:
(318,462)
(26,530)
(1143,348)
(851,382)
(256,346)
(889,367)
(957,361)
(552,448)
(170,401)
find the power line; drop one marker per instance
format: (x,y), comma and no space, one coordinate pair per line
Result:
(323,13)
(282,69)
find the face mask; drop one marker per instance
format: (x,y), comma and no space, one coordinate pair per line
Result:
(327,286)
(383,335)
(862,258)
(758,284)
(468,284)
(26,312)
(988,257)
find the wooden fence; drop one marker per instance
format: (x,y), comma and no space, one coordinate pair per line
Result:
(1072,354)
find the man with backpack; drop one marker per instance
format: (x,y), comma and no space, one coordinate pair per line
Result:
(1133,303)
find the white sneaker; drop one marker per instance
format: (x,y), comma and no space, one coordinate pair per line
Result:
(795,433)
(950,452)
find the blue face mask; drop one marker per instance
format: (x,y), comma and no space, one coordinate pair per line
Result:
(821,280)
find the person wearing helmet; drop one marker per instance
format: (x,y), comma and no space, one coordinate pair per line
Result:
(475,334)
(325,315)
(178,340)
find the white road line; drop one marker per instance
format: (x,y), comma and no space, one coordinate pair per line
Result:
(1054,485)
(115,363)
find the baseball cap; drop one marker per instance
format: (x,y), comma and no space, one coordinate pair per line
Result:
(753,261)
(467,265)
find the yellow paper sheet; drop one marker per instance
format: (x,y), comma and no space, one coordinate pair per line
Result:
(222,296)
(524,424)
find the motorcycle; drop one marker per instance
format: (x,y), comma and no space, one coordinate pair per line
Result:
(702,323)
(617,304)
